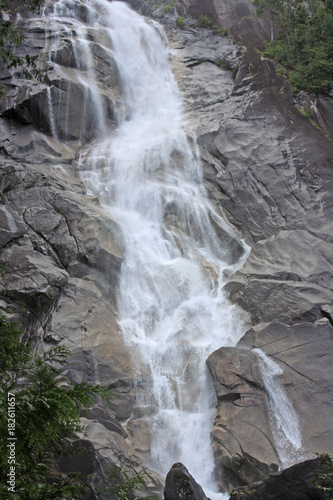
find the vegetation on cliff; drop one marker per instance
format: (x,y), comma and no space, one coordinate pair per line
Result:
(11,36)
(40,413)
(304,41)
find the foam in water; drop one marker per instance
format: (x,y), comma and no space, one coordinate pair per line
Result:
(147,173)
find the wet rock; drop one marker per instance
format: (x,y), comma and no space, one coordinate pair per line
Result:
(12,225)
(264,163)
(64,104)
(107,418)
(243,440)
(180,485)
(271,172)
(268,167)
(295,483)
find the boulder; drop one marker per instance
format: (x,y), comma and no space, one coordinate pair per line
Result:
(299,482)
(180,485)
(244,436)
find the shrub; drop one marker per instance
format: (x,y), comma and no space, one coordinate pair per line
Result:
(180,22)
(324,480)
(204,22)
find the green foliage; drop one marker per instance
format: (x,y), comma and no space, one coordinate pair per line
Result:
(121,484)
(235,71)
(308,115)
(167,9)
(220,31)
(180,22)
(279,72)
(46,415)
(223,63)
(204,22)
(304,43)
(12,37)
(124,486)
(324,479)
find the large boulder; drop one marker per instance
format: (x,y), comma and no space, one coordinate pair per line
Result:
(180,485)
(245,436)
(299,482)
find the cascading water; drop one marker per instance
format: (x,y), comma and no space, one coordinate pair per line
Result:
(284,419)
(172,309)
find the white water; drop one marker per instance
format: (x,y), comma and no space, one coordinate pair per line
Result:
(172,309)
(284,419)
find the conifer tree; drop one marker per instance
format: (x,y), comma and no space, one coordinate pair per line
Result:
(39,414)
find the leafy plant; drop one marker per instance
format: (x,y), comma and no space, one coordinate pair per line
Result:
(121,484)
(279,72)
(167,9)
(180,22)
(45,417)
(11,37)
(303,43)
(204,22)
(124,486)
(324,480)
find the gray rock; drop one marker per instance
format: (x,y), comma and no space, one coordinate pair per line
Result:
(12,225)
(295,483)
(180,485)
(242,436)
(267,167)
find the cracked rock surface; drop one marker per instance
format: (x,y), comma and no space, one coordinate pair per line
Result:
(271,171)
(267,167)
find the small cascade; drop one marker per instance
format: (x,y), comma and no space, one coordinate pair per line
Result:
(78,35)
(50,112)
(284,420)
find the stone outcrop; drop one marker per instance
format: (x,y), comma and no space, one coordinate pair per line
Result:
(271,170)
(180,485)
(61,256)
(243,439)
(267,166)
(299,482)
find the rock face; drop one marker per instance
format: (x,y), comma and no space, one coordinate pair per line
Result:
(243,432)
(270,169)
(61,251)
(296,483)
(264,163)
(180,485)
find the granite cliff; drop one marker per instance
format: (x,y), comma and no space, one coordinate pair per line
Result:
(264,163)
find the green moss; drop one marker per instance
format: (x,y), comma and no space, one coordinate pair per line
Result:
(309,118)
(223,63)
(235,71)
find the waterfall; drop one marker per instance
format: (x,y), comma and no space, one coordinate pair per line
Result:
(284,419)
(172,309)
